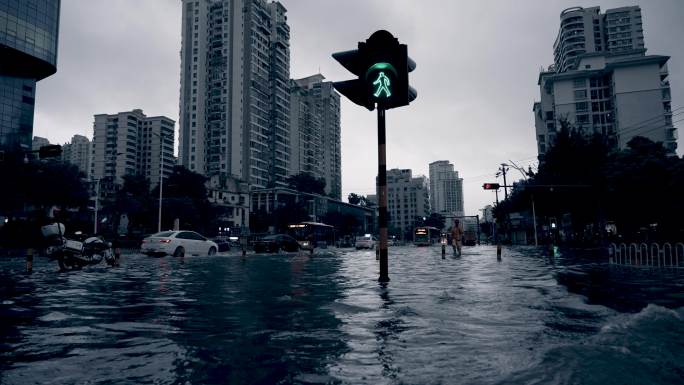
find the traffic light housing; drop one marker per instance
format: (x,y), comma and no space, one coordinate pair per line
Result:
(381,65)
(50,151)
(491,186)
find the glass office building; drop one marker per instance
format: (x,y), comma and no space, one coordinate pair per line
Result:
(28,53)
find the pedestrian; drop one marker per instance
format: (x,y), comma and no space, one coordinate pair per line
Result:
(456,235)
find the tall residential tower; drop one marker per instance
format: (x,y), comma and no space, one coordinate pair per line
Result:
(315,132)
(234,102)
(131,143)
(446,189)
(603,82)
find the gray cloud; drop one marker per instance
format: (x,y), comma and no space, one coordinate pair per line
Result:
(476,77)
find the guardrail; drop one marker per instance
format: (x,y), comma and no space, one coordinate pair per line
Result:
(641,255)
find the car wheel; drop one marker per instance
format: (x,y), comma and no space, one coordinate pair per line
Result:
(179,252)
(212,251)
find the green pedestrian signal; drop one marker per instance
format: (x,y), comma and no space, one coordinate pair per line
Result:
(382,84)
(381,65)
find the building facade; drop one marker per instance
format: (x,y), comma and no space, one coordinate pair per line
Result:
(230,198)
(234,102)
(131,143)
(315,132)
(317,207)
(446,189)
(28,53)
(407,200)
(78,152)
(604,83)
(38,142)
(587,30)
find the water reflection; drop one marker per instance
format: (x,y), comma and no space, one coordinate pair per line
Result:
(297,318)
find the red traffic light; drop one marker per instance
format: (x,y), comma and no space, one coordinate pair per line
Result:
(491,186)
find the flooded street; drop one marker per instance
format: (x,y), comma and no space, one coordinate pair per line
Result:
(296,318)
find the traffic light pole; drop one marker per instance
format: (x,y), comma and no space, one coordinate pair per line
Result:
(382,199)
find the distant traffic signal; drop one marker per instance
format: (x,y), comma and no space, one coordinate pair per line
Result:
(381,65)
(50,151)
(491,186)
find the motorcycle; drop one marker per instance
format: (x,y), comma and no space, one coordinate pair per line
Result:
(78,252)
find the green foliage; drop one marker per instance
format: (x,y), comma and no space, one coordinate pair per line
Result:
(306,182)
(134,199)
(435,220)
(354,199)
(581,176)
(40,184)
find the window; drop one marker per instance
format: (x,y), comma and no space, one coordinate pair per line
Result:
(582,119)
(549,115)
(578,83)
(581,106)
(580,94)
(542,139)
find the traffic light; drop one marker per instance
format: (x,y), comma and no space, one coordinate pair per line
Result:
(381,65)
(50,151)
(491,186)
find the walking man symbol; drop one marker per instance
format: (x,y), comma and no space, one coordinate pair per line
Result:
(382,84)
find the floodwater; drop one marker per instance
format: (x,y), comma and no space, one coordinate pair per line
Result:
(324,319)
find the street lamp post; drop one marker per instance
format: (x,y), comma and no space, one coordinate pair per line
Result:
(97,202)
(161,177)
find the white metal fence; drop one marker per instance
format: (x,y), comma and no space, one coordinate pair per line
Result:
(641,255)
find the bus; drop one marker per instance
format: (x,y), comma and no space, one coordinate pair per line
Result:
(426,236)
(312,234)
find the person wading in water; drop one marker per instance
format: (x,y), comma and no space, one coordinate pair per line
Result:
(456,235)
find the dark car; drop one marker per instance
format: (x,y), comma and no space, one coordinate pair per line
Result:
(222,243)
(275,243)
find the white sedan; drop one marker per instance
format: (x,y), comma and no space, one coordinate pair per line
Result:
(365,242)
(178,243)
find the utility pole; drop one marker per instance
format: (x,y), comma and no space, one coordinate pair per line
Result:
(503,170)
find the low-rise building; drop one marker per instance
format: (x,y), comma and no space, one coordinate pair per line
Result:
(230,196)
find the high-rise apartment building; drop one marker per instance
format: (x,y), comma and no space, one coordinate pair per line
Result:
(446,189)
(315,132)
(603,82)
(407,200)
(78,152)
(234,103)
(587,30)
(38,142)
(28,53)
(131,143)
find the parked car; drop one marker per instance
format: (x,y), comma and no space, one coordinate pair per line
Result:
(275,243)
(365,242)
(178,243)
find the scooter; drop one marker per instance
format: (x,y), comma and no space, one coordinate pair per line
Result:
(75,253)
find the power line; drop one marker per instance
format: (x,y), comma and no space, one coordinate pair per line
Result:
(635,128)
(655,117)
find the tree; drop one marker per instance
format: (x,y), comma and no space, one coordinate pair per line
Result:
(185,197)
(637,188)
(358,200)
(40,184)
(134,200)
(435,220)
(305,182)
(354,199)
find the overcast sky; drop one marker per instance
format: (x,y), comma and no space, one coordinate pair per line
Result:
(476,75)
